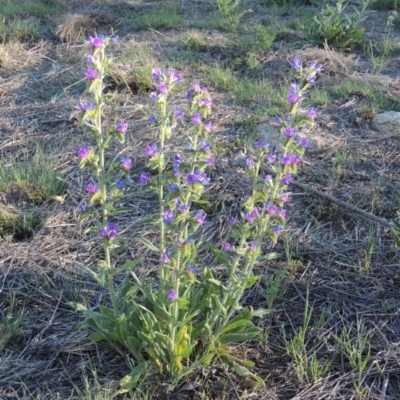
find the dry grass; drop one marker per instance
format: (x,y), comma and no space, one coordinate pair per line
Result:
(326,251)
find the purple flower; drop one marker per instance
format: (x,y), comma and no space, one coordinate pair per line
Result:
(271,209)
(311,113)
(85,106)
(109,231)
(277,229)
(120,184)
(173,187)
(91,59)
(90,121)
(316,67)
(191,178)
(152,119)
(204,102)
(278,120)
(178,159)
(296,64)
(271,158)
(144,179)
(228,248)
(165,258)
(286,179)
(178,114)
(196,119)
(196,87)
(157,74)
(207,127)
(152,150)
(126,163)
(303,142)
(232,220)
(252,246)
(122,127)
(163,88)
(268,179)
(114,38)
(168,217)
(294,91)
(260,144)
(251,216)
(189,95)
(281,213)
(310,77)
(205,146)
(188,146)
(285,197)
(210,160)
(83,207)
(97,42)
(153,96)
(286,160)
(180,206)
(197,177)
(92,188)
(249,162)
(200,217)
(295,159)
(82,152)
(191,268)
(289,132)
(92,74)
(174,77)
(171,295)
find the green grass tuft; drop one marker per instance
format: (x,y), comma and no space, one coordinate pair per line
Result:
(165,18)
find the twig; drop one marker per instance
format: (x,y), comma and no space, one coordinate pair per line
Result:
(350,207)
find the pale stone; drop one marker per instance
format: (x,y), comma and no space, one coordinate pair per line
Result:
(387,122)
(267,133)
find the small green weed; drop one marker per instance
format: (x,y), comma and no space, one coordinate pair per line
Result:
(164,18)
(34,181)
(10,326)
(195,40)
(337,28)
(27,8)
(228,10)
(385,4)
(354,345)
(18,29)
(275,288)
(309,368)
(374,99)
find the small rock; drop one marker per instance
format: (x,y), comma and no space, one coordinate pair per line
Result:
(269,134)
(265,131)
(387,122)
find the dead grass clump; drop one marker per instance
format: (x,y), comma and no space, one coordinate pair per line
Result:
(74,26)
(331,60)
(77,25)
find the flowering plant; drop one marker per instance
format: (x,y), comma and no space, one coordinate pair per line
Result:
(188,316)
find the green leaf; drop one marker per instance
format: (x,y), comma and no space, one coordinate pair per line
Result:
(237,324)
(129,381)
(271,256)
(248,334)
(106,311)
(96,337)
(262,312)
(216,282)
(77,306)
(251,281)
(243,371)
(122,210)
(220,256)
(148,244)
